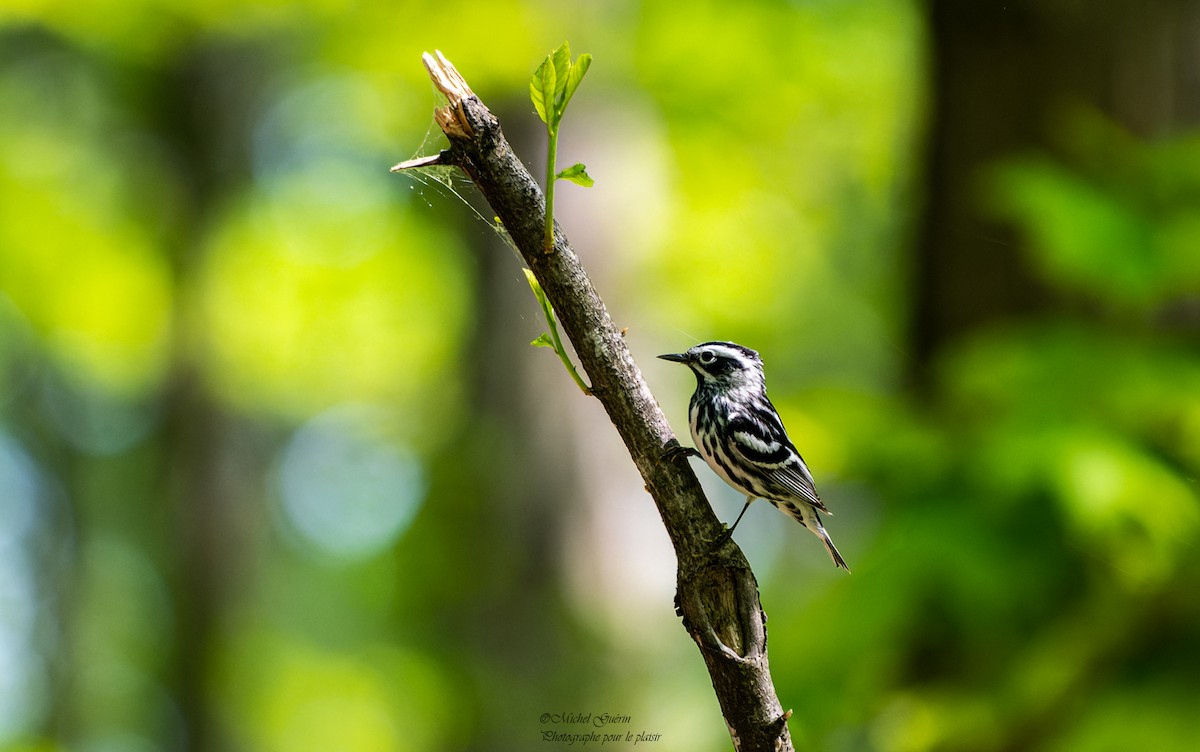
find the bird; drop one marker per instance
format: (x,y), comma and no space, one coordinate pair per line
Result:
(740,435)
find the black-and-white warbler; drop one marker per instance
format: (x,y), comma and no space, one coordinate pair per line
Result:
(738,432)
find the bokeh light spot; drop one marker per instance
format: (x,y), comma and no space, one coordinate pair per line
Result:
(344,488)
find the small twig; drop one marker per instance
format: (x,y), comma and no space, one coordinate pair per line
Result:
(430,161)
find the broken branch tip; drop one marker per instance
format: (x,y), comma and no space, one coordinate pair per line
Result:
(430,161)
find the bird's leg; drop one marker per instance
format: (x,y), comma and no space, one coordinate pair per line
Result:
(675,449)
(725,535)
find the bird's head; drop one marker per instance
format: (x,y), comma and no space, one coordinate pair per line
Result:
(723,365)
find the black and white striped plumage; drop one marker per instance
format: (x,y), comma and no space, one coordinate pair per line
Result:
(738,432)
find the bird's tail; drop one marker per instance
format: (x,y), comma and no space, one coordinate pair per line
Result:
(833,552)
(807,516)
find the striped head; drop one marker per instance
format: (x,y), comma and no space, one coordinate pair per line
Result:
(723,367)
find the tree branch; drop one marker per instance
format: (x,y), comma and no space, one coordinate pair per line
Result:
(717,594)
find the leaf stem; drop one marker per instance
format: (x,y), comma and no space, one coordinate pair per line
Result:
(551,158)
(562,355)
(555,341)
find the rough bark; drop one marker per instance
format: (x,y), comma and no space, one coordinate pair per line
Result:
(717,595)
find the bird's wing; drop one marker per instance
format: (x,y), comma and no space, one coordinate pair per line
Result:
(760,440)
(796,479)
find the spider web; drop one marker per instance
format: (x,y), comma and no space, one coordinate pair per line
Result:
(450,182)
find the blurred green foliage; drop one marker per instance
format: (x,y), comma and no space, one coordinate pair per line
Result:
(1119,223)
(265,483)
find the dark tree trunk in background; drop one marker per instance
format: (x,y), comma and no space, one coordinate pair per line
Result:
(505,484)
(1002,74)
(204,109)
(509,388)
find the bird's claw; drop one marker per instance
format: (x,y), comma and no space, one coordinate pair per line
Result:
(675,449)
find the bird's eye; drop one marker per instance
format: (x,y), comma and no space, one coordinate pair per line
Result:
(707,358)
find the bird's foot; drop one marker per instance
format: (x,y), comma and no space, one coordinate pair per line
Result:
(722,538)
(675,449)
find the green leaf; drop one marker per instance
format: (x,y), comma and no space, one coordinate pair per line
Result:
(533,285)
(575,75)
(577,174)
(540,294)
(549,84)
(562,71)
(543,340)
(543,80)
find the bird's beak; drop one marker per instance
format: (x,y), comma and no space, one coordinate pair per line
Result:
(676,357)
